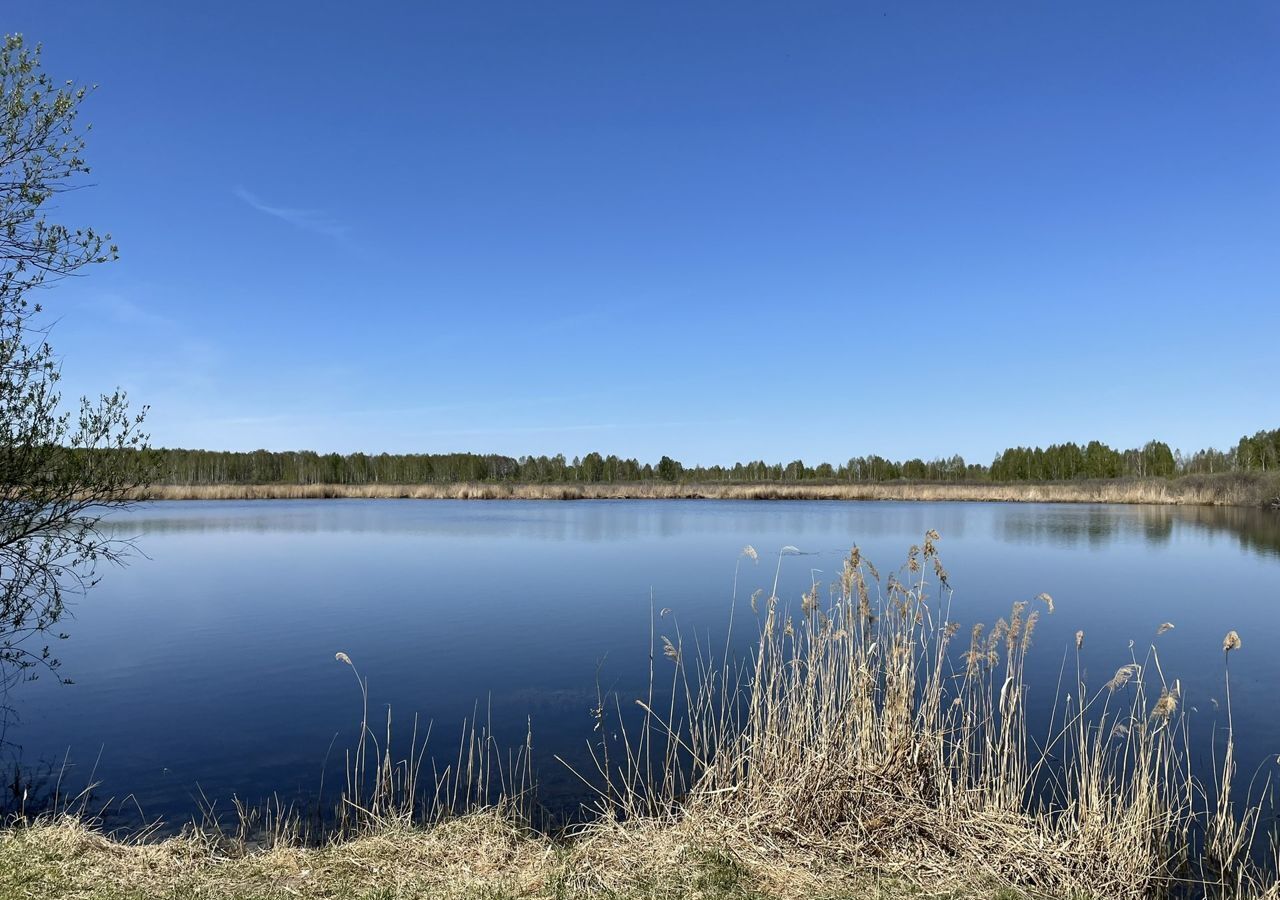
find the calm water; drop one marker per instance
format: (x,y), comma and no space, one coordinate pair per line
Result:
(207,668)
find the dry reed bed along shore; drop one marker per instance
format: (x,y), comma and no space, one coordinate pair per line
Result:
(1229,490)
(868,743)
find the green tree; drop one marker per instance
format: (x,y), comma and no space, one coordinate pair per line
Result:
(669,469)
(592,467)
(1157,460)
(60,470)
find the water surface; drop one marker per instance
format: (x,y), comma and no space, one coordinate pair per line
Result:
(206,668)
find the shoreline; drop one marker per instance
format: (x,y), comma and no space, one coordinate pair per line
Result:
(1234,489)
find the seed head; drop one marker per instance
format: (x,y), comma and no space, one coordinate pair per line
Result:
(809,602)
(1122,676)
(1167,705)
(1230,642)
(670,650)
(343,658)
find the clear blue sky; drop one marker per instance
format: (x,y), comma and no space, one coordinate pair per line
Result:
(715,230)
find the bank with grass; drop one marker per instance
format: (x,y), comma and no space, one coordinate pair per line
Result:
(1245,489)
(478,857)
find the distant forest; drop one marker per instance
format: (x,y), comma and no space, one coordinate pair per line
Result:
(1057,462)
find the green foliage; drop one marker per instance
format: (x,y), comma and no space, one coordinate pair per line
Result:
(720,876)
(1260,452)
(60,470)
(1057,462)
(1065,462)
(669,469)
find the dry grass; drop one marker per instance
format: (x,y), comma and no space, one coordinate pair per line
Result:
(859,734)
(381,795)
(1222,490)
(63,859)
(858,753)
(482,856)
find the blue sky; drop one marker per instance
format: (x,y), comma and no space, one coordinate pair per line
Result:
(715,230)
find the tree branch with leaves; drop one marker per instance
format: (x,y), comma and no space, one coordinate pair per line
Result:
(61,470)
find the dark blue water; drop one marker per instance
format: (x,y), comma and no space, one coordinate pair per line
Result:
(206,668)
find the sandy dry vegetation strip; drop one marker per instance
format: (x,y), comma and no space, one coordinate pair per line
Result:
(1231,490)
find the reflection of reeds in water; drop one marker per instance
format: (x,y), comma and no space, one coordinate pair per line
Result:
(1224,490)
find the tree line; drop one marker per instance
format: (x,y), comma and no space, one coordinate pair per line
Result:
(1057,462)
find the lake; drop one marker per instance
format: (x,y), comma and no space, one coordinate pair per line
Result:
(205,669)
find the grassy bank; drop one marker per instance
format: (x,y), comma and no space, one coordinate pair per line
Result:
(867,746)
(1234,489)
(479,857)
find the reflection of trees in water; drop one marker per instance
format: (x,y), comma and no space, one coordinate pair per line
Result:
(1064,525)
(549,520)
(1256,530)
(31,790)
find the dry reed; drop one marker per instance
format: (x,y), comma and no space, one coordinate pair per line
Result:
(858,734)
(380,794)
(1231,490)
